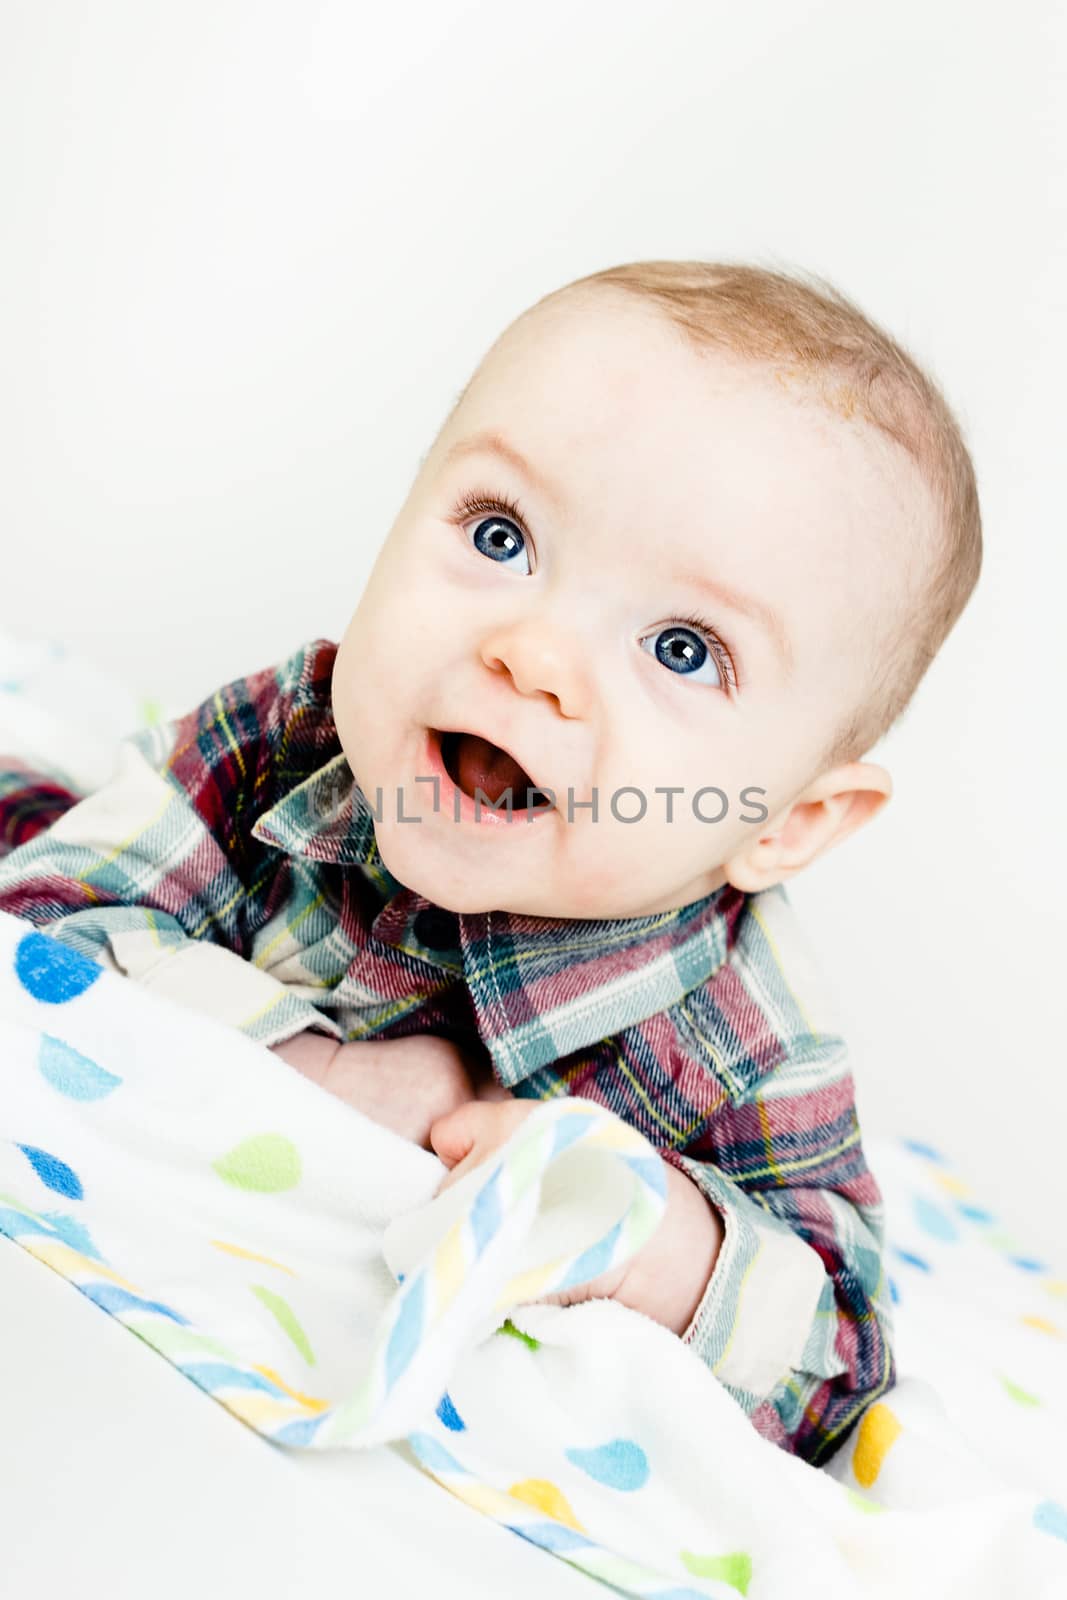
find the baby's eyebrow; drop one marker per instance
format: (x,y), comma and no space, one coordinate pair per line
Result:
(494,444)
(746,605)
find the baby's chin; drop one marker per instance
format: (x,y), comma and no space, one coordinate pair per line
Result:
(458,887)
(452,885)
(535,868)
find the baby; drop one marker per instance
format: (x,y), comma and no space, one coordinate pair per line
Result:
(678,558)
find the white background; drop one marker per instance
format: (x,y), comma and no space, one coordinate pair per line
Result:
(250,252)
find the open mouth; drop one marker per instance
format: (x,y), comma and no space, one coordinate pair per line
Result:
(476,763)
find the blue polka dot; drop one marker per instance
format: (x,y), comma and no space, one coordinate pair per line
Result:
(73,1074)
(53,1172)
(211,1374)
(485,1213)
(933,1220)
(686,1594)
(621,1464)
(407,1331)
(17,1223)
(1050,1517)
(912,1259)
(73,1232)
(449,1415)
(592,1262)
(568,1129)
(550,1535)
(1027,1264)
(894,1292)
(434,1455)
(51,972)
(975,1213)
(925,1150)
(113,1299)
(300,1432)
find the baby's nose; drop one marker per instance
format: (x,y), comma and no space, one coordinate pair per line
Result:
(540,661)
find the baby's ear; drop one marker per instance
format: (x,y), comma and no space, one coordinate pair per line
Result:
(830,808)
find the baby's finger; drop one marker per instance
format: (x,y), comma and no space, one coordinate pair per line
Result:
(476,1156)
(453,1135)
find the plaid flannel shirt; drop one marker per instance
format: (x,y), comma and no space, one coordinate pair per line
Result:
(232,864)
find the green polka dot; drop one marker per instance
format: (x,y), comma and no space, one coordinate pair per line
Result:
(861,1502)
(526,1160)
(516,1333)
(173,1341)
(286,1319)
(355,1411)
(1022,1396)
(267,1163)
(734,1569)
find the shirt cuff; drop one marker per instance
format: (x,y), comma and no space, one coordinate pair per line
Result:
(216,982)
(755,1317)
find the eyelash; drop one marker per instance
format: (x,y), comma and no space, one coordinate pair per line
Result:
(723,659)
(472,505)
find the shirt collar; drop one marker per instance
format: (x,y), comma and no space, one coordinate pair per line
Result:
(541,987)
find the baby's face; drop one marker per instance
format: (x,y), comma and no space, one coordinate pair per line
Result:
(634,567)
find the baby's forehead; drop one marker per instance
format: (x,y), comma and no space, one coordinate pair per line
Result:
(604,366)
(731,461)
(637,411)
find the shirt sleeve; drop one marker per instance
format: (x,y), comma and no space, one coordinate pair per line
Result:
(796,1318)
(156,875)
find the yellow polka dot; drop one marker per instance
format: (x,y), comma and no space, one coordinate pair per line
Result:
(483,1497)
(877,1433)
(1043,1325)
(307,1400)
(538,1492)
(251,1255)
(67,1262)
(1058,1287)
(449,1265)
(954,1186)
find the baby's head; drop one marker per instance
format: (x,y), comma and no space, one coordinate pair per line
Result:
(685,547)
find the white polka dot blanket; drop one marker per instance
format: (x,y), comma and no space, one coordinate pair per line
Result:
(289,1257)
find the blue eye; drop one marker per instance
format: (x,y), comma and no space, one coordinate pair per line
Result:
(498,534)
(499,539)
(685,652)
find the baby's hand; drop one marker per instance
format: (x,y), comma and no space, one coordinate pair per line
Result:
(405,1084)
(667,1277)
(466,1137)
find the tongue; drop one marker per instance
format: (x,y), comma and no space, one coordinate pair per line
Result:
(483,765)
